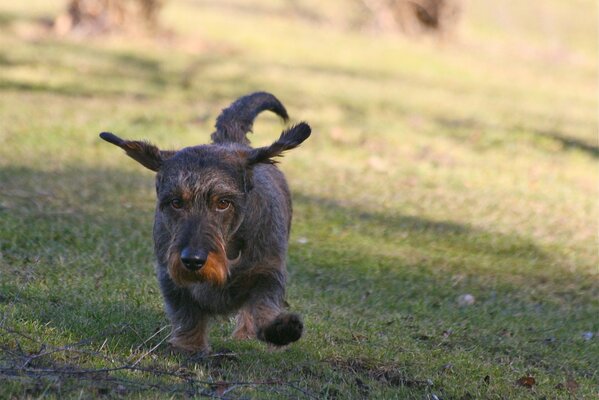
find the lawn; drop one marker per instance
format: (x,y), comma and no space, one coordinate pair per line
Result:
(436,169)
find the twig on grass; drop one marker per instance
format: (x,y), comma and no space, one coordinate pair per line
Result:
(20,367)
(150,338)
(153,348)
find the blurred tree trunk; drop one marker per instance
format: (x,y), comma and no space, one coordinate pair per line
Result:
(90,17)
(415,16)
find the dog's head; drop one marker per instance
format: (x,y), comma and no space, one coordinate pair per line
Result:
(201,198)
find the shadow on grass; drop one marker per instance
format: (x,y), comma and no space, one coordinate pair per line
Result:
(429,236)
(467,127)
(571,143)
(102,218)
(7,19)
(77,260)
(123,66)
(83,210)
(89,71)
(92,71)
(402,263)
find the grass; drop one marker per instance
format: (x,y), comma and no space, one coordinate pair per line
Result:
(434,171)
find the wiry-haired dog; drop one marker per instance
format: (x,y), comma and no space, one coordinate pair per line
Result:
(221,228)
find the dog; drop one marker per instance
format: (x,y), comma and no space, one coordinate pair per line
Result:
(221,228)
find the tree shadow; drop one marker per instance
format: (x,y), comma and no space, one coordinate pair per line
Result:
(570,143)
(418,231)
(81,213)
(99,195)
(470,125)
(77,253)
(95,77)
(7,19)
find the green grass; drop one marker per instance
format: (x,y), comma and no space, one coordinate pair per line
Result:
(434,170)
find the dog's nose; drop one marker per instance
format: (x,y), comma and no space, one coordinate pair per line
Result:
(193,259)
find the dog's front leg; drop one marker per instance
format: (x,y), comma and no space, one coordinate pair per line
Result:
(191,337)
(275,326)
(189,323)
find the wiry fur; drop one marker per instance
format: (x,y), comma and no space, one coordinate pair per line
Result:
(229,202)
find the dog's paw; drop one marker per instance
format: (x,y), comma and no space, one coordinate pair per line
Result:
(285,329)
(181,345)
(188,354)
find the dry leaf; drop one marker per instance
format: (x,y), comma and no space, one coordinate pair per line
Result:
(571,385)
(358,337)
(526,381)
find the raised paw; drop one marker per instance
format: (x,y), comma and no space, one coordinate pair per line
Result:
(284,329)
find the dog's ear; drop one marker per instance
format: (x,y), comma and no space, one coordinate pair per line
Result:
(290,139)
(143,152)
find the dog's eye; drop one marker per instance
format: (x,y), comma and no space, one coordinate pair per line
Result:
(222,205)
(177,204)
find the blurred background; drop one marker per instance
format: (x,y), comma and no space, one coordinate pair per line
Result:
(453,156)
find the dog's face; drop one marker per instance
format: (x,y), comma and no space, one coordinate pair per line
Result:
(201,196)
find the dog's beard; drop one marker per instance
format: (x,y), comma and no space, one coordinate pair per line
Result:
(215,270)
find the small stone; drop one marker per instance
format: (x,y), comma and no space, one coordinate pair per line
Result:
(587,335)
(466,300)
(302,240)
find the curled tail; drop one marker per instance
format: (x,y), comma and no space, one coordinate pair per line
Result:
(236,120)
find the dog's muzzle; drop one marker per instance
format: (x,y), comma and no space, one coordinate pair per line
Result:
(193,259)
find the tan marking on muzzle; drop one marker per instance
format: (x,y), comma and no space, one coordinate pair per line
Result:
(214,270)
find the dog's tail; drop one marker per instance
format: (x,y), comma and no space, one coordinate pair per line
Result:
(236,121)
